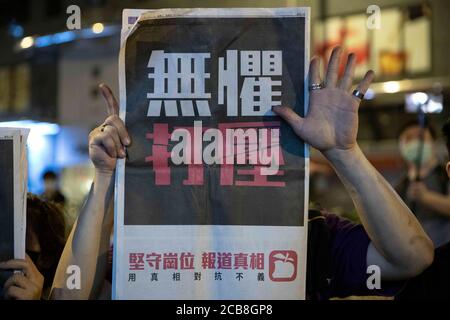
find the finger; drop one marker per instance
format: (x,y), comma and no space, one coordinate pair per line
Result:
(314,71)
(364,85)
(17,280)
(110,146)
(105,141)
(113,106)
(347,79)
(15,293)
(113,133)
(28,259)
(120,126)
(16,264)
(333,68)
(289,115)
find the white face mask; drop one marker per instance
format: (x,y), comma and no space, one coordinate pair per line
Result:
(410,151)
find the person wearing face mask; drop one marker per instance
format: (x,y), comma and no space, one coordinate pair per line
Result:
(424,187)
(51,188)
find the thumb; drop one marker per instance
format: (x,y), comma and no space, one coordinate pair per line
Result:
(289,115)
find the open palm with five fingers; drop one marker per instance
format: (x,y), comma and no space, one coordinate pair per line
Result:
(332,120)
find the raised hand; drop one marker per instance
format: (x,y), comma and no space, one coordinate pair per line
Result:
(332,120)
(108,141)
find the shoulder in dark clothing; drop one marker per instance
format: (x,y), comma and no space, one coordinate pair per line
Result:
(434,282)
(349,245)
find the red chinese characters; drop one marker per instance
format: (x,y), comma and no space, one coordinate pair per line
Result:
(186,261)
(253,144)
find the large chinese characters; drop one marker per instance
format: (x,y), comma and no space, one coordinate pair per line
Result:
(249,84)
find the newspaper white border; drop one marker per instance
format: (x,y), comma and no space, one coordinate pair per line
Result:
(19,138)
(127,30)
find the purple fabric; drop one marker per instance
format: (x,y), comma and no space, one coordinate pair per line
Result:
(349,244)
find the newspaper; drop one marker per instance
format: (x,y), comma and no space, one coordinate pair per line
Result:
(13,195)
(211,201)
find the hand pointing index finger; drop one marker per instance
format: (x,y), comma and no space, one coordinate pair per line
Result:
(113,112)
(113,106)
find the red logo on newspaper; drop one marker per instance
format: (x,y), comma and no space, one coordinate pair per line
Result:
(283,265)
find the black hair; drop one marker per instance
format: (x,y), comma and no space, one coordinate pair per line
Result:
(47,221)
(49,175)
(416,123)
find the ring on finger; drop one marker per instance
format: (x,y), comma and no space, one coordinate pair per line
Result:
(315,86)
(358,94)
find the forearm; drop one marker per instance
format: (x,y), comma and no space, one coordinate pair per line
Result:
(392,228)
(87,246)
(437,202)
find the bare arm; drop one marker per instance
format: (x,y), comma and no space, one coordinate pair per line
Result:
(88,244)
(399,246)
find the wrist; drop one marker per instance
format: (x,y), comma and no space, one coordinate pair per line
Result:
(337,156)
(102,176)
(103,187)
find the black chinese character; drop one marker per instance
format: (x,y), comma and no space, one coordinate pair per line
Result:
(260,276)
(176,276)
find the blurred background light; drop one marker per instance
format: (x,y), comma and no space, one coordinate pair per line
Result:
(36,128)
(27,42)
(43,41)
(52,39)
(424,102)
(98,28)
(15,30)
(41,140)
(370,94)
(419,98)
(63,37)
(391,87)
